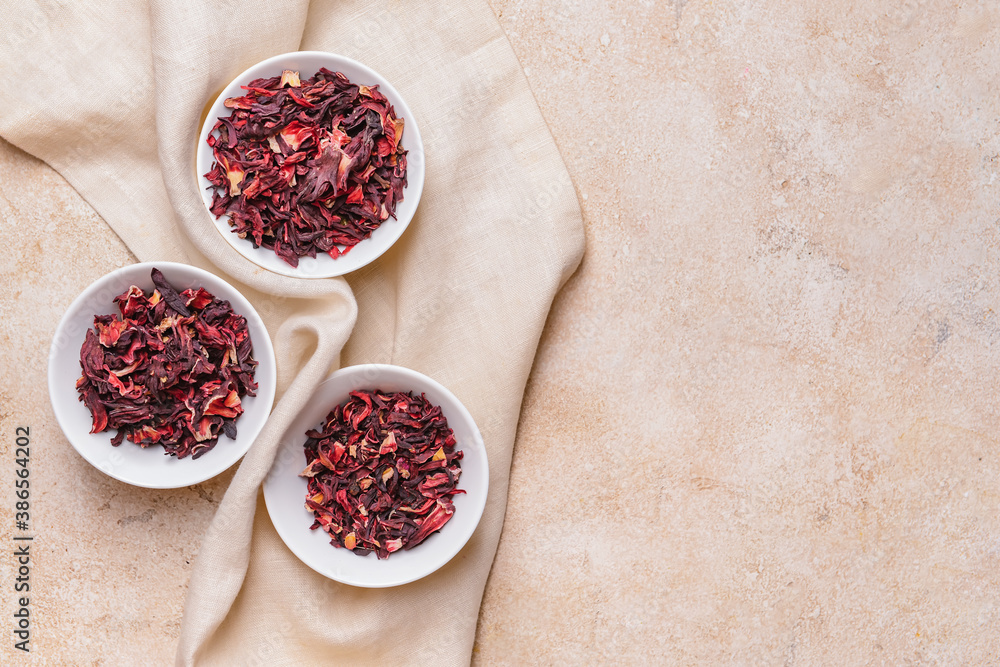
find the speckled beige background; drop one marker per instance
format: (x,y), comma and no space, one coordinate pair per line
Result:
(761,428)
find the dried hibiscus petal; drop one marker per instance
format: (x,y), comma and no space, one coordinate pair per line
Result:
(381,472)
(307,166)
(170,370)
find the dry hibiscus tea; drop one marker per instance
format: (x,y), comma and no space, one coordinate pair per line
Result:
(382,471)
(307,166)
(170,370)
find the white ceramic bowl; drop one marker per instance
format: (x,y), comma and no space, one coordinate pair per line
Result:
(151,467)
(307,63)
(285,491)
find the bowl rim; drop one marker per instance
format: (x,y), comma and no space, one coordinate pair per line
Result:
(63,339)
(294,441)
(413,191)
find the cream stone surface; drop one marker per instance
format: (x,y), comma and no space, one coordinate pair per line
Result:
(761,427)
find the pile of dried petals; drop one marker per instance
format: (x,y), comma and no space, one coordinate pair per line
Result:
(307,166)
(170,371)
(382,471)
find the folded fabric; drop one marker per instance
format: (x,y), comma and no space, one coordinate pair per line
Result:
(115,101)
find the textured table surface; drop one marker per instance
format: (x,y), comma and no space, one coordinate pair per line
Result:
(761,427)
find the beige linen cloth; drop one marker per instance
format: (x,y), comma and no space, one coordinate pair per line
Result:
(111,94)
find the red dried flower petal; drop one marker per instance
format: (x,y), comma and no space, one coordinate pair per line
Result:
(434,521)
(294,134)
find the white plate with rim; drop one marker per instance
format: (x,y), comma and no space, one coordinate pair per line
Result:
(285,490)
(307,63)
(150,467)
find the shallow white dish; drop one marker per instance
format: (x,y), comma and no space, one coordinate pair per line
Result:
(307,63)
(151,467)
(285,491)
